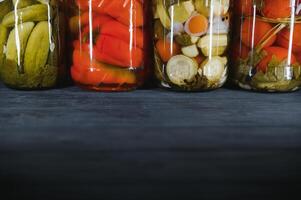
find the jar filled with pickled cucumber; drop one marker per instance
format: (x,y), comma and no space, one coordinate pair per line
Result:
(266,47)
(191,39)
(31,39)
(109,49)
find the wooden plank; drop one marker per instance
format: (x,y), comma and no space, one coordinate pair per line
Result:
(74,108)
(149,144)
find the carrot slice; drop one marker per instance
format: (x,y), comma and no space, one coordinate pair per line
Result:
(167,50)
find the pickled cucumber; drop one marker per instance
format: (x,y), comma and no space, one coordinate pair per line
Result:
(10,75)
(181,12)
(23,3)
(37,49)
(5,7)
(163,15)
(49,75)
(3,38)
(190,51)
(16,43)
(181,70)
(214,68)
(46,78)
(214,45)
(34,13)
(218,7)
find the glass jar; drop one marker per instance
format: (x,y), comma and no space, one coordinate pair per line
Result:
(191,39)
(31,37)
(266,47)
(109,49)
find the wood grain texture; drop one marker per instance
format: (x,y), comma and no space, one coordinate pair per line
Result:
(149,144)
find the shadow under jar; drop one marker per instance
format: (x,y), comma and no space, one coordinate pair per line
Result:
(109,49)
(191,40)
(266,51)
(31,37)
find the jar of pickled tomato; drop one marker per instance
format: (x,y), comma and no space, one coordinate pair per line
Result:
(266,51)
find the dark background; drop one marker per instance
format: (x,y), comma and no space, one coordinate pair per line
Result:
(149,144)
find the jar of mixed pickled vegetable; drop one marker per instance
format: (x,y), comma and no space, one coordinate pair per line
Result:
(109,52)
(266,47)
(191,41)
(31,36)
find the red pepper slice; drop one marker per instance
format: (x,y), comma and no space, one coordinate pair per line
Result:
(126,11)
(116,29)
(88,71)
(117,52)
(97,24)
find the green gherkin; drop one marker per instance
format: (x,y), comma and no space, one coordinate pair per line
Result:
(34,13)
(5,7)
(3,38)
(23,3)
(37,49)
(16,43)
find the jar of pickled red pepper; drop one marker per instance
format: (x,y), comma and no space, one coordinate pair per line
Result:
(191,39)
(31,37)
(266,51)
(109,49)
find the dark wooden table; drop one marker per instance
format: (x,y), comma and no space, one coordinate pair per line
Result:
(149,144)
